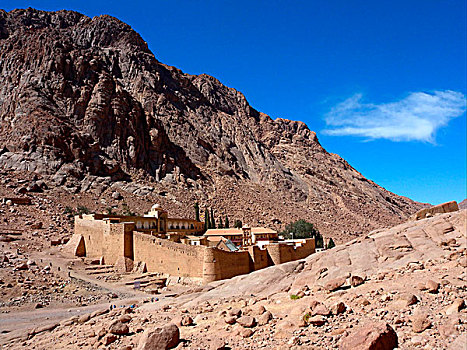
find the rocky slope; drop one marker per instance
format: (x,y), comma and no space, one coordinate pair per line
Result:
(86,105)
(403,287)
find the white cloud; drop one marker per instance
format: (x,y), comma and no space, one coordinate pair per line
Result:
(417,117)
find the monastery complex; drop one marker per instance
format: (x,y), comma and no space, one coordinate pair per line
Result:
(180,247)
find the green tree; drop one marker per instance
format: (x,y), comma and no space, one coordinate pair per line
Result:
(303,229)
(197,211)
(226,225)
(238,224)
(331,244)
(220,225)
(213,219)
(207,222)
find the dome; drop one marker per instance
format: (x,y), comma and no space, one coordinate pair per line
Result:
(156,206)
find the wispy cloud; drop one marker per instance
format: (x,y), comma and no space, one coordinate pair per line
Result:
(417,117)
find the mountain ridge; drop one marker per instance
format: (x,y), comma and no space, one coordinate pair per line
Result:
(86,98)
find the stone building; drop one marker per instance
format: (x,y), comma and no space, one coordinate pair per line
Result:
(237,235)
(166,245)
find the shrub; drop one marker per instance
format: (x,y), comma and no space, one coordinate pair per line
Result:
(294,297)
(110,211)
(126,210)
(81,209)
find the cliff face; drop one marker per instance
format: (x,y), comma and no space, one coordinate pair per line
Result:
(85,97)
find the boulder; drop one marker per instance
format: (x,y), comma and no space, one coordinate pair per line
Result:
(265,318)
(160,338)
(235,312)
(230,320)
(372,336)
(186,321)
(335,284)
(321,310)
(246,332)
(119,328)
(246,321)
(432,286)
(420,322)
(316,320)
(356,281)
(455,307)
(338,308)
(125,318)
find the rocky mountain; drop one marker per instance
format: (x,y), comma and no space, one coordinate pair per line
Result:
(463,204)
(85,105)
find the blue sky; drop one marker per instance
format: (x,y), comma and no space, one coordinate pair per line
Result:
(383,83)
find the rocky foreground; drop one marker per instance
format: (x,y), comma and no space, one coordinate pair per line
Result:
(399,288)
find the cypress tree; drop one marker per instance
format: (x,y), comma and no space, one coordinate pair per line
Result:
(213,219)
(197,211)
(226,225)
(207,223)
(220,223)
(331,244)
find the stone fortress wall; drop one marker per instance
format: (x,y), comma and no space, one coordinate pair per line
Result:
(113,240)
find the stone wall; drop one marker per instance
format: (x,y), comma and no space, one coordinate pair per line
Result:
(227,264)
(93,234)
(279,253)
(258,258)
(161,255)
(114,240)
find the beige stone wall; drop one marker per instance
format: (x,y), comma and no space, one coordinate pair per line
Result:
(258,258)
(115,240)
(164,256)
(230,264)
(93,234)
(280,253)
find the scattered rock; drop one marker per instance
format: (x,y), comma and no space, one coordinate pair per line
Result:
(125,318)
(335,284)
(338,308)
(432,286)
(161,338)
(264,318)
(455,307)
(246,321)
(371,336)
(186,321)
(119,328)
(230,320)
(356,281)
(420,322)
